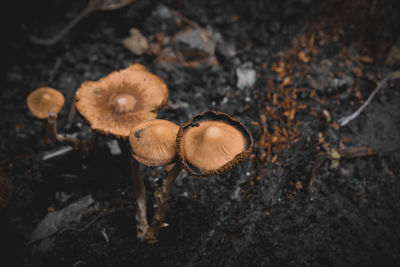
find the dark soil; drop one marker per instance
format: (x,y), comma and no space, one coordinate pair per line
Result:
(291,204)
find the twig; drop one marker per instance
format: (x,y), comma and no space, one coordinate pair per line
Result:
(355,152)
(92,6)
(59,152)
(103,232)
(52,40)
(345,120)
(320,159)
(78,263)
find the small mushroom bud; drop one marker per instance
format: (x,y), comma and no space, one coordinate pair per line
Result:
(42,101)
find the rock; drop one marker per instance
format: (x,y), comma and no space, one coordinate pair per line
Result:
(167,59)
(342,81)
(44,246)
(227,49)
(246,76)
(195,41)
(55,221)
(136,42)
(195,47)
(114,147)
(235,195)
(163,12)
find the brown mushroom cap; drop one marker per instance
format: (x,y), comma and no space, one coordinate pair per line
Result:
(44,100)
(153,143)
(212,142)
(116,103)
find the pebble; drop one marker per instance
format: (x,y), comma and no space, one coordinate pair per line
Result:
(136,42)
(246,76)
(196,46)
(114,147)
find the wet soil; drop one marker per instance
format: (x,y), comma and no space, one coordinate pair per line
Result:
(301,199)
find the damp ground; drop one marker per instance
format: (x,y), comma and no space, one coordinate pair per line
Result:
(312,193)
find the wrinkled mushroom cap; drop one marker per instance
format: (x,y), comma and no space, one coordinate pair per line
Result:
(212,142)
(44,100)
(116,103)
(153,143)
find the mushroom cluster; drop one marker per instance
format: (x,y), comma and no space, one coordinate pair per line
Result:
(208,144)
(124,105)
(152,144)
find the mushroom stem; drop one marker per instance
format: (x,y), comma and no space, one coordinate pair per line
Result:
(46,133)
(92,143)
(160,203)
(169,167)
(140,192)
(53,135)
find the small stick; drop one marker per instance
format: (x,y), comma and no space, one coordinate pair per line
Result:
(140,191)
(57,153)
(52,133)
(355,152)
(320,159)
(345,120)
(160,203)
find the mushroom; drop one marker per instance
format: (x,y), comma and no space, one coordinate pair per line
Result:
(153,143)
(44,100)
(45,103)
(116,103)
(208,144)
(6,188)
(212,143)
